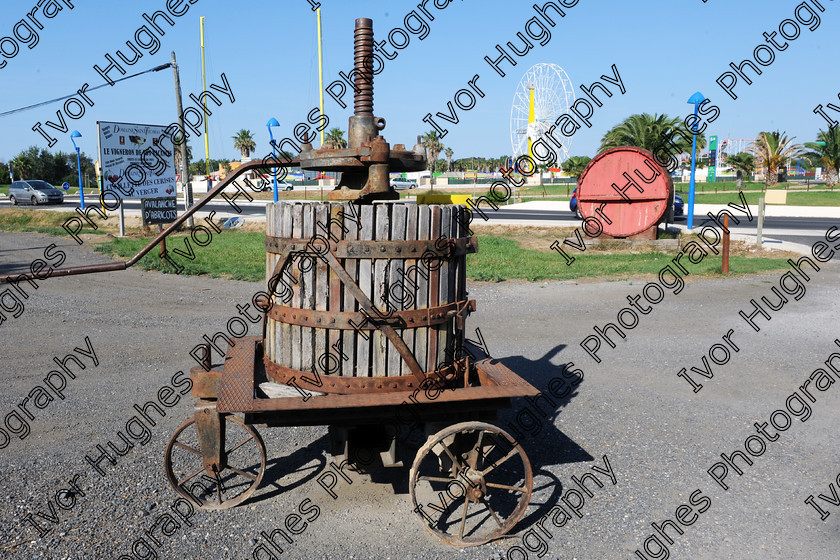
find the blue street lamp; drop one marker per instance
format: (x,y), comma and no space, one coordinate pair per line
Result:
(273,122)
(696,99)
(77,134)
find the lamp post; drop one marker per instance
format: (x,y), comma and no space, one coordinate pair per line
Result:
(77,134)
(696,99)
(273,122)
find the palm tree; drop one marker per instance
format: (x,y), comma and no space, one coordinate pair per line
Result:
(22,166)
(650,132)
(829,155)
(449,153)
(772,150)
(575,165)
(744,164)
(431,141)
(334,139)
(244,142)
(177,151)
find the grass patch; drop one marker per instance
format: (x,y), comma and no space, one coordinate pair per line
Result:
(39,221)
(824,198)
(501,258)
(722,186)
(521,254)
(234,255)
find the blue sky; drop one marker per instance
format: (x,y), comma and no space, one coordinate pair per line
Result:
(664,51)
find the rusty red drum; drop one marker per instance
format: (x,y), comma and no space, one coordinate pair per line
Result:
(625,190)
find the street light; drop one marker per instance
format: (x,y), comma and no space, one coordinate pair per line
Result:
(77,134)
(696,99)
(273,122)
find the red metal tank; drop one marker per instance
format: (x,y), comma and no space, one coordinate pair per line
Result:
(625,190)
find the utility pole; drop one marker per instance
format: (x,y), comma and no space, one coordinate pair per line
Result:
(185,177)
(206,133)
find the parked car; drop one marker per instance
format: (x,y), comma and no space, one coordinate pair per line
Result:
(400,183)
(282,185)
(573,205)
(34,193)
(679,206)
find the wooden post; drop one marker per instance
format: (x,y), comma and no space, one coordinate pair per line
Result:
(760,222)
(725,264)
(162,242)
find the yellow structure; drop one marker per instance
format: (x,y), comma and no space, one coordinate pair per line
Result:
(204,85)
(531,119)
(429,198)
(320,73)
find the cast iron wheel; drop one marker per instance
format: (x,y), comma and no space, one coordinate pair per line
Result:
(471,463)
(219,486)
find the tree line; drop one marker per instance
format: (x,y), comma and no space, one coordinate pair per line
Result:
(54,168)
(771,150)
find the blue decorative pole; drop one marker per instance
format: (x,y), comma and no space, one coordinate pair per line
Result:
(696,99)
(77,134)
(273,122)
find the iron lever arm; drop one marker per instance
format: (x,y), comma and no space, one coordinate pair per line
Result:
(122,265)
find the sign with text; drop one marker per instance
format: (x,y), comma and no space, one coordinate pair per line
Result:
(159,210)
(713,149)
(137,160)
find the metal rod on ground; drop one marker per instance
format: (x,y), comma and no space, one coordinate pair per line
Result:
(185,170)
(760,222)
(725,264)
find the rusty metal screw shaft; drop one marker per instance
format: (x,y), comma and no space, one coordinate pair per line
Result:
(363,64)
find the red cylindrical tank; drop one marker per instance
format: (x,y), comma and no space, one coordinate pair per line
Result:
(625,190)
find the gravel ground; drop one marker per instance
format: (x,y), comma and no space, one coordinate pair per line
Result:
(659,436)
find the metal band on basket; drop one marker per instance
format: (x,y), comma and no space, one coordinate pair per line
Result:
(444,248)
(352,320)
(447,376)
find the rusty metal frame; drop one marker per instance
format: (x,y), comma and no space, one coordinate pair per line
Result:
(237,392)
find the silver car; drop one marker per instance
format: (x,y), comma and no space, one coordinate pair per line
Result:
(400,183)
(34,193)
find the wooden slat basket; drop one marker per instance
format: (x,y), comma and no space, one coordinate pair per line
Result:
(368,297)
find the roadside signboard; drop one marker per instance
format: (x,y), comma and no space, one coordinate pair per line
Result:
(712,159)
(134,160)
(159,210)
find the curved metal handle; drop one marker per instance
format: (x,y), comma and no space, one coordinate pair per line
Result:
(122,265)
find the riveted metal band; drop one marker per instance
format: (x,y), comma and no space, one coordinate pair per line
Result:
(444,248)
(351,320)
(309,381)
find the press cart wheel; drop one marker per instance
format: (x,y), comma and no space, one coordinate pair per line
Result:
(470,483)
(219,482)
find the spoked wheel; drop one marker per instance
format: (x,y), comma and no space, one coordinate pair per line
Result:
(471,483)
(223,476)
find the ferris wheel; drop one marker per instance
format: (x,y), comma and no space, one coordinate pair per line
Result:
(553,94)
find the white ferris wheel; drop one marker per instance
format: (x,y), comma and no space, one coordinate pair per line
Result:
(553,95)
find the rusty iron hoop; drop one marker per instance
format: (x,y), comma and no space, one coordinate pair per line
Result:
(459,465)
(222,504)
